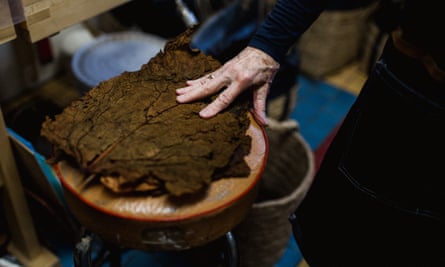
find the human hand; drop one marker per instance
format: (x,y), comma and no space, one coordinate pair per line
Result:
(250,69)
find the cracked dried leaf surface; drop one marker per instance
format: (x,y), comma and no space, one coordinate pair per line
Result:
(131,131)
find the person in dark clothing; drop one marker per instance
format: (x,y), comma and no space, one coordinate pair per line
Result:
(378,198)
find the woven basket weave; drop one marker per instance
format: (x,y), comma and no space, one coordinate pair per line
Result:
(264,235)
(333,40)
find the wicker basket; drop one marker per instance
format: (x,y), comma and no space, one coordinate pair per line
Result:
(264,235)
(333,40)
(372,47)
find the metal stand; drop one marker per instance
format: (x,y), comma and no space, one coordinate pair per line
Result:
(112,254)
(232,248)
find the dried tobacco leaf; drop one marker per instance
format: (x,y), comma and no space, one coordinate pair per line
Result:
(131,131)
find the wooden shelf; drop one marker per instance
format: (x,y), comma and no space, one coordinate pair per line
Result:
(45,18)
(41,19)
(24,243)
(7,31)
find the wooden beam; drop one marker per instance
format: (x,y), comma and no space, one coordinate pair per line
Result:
(7,31)
(48,17)
(24,243)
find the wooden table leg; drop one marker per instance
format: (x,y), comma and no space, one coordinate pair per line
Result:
(24,243)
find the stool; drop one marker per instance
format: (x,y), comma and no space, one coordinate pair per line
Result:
(163,223)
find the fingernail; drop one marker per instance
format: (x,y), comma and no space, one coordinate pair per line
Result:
(265,121)
(204,113)
(261,119)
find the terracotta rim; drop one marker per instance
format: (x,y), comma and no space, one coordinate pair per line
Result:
(224,205)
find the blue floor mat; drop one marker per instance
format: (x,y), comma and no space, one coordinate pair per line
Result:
(320,107)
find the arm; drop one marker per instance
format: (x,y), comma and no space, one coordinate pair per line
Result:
(255,67)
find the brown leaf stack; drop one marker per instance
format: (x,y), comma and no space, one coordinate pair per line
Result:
(131,132)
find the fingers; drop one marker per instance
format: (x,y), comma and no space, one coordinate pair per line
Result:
(250,69)
(259,104)
(220,103)
(229,95)
(200,88)
(207,86)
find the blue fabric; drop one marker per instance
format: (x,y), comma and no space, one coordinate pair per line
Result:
(227,27)
(285,24)
(319,109)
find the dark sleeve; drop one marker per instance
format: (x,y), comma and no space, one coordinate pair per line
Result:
(285,24)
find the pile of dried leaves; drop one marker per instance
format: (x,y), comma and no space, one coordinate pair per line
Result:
(132,135)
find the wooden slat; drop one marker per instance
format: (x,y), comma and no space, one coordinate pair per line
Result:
(24,243)
(7,31)
(47,17)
